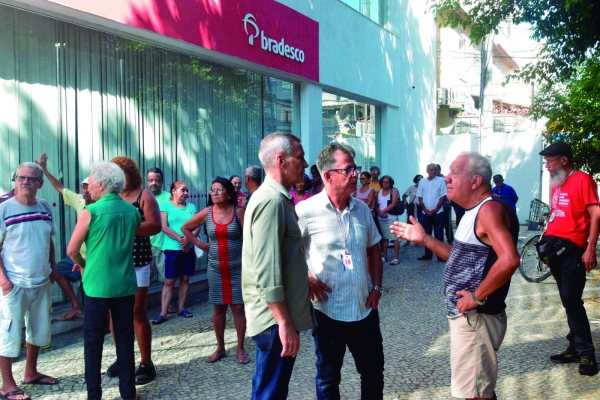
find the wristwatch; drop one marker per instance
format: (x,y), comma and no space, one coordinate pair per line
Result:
(378,288)
(479,302)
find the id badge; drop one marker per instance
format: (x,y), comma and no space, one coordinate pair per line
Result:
(552,216)
(347,260)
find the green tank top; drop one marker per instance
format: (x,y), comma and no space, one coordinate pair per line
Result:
(109,270)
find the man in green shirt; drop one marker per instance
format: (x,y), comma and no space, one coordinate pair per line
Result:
(274,271)
(155,180)
(65,266)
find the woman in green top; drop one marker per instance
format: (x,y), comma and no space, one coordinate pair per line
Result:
(180,258)
(108,228)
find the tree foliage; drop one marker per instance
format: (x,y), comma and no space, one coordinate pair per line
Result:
(573,112)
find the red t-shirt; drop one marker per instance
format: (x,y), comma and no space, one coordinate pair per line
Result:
(572,219)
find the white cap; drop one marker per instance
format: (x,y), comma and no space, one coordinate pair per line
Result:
(86,181)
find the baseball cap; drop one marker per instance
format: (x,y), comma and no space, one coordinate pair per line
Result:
(558,149)
(86,181)
(498,178)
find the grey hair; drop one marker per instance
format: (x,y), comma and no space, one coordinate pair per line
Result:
(254,172)
(273,144)
(326,157)
(478,165)
(34,166)
(432,165)
(110,173)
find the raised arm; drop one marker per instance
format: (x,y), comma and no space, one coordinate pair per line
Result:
(43,163)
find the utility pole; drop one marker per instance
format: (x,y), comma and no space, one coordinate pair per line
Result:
(486,101)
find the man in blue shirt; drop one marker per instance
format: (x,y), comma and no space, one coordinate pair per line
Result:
(503,190)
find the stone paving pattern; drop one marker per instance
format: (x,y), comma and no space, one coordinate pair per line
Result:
(416,343)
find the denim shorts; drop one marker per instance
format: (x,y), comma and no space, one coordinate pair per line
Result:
(178,263)
(34,305)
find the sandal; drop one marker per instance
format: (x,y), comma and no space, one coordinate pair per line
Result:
(215,357)
(14,393)
(40,381)
(243,358)
(158,320)
(394,262)
(185,313)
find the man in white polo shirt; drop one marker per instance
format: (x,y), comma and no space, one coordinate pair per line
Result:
(341,242)
(432,193)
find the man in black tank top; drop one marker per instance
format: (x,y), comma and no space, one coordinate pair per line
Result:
(476,286)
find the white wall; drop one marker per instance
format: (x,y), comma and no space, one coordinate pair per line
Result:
(363,61)
(514,155)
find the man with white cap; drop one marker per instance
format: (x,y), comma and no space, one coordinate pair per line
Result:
(65,267)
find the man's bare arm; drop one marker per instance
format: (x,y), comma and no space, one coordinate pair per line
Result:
(493,228)
(290,339)
(589,257)
(5,284)
(375,269)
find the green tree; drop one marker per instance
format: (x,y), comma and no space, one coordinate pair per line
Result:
(573,112)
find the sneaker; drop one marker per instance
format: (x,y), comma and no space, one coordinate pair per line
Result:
(565,357)
(113,370)
(383,260)
(588,366)
(145,374)
(394,262)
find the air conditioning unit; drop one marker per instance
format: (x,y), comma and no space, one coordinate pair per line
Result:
(443,96)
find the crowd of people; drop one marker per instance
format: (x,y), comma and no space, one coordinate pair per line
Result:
(294,254)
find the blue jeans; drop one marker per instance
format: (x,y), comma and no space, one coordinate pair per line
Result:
(94,328)
(434,223)
(364,341)
(273,372)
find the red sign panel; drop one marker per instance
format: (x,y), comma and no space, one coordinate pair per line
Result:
(262,31)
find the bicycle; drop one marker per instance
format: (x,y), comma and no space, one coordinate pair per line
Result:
(531,267)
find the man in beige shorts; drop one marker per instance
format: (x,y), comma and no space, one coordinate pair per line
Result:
(480,264)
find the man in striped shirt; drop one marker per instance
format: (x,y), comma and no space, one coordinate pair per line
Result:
(27,270)
(341,243)
(481,262)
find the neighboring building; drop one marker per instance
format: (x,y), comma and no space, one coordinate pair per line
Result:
(501,131)
(193,86)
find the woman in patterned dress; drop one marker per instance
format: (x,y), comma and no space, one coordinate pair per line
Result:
(224,222)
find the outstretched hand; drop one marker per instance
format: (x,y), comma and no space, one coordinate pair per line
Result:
(413,233)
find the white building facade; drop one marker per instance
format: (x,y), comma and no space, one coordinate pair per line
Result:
(192,87)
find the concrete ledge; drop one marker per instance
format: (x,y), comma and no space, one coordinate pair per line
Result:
(198,284)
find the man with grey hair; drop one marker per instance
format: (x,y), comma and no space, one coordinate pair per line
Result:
(252,180)
(274,279)
(432,194)
(341,242)
(480,265)
(27,271)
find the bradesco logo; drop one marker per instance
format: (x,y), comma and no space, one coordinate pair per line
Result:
(269,44)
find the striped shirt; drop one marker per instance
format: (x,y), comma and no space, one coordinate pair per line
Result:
(326,235)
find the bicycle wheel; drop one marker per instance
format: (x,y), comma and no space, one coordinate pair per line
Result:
(532,269)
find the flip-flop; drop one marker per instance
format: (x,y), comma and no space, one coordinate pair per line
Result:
(40,381)
(185,313)
(158,320)
(215,357)
(244,359)
(18,392)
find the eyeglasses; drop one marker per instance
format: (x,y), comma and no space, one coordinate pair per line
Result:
(348,171)
(548,162)
(217,191)
(32,179)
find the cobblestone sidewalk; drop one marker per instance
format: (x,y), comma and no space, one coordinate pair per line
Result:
(416,342)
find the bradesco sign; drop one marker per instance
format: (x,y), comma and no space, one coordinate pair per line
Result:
(264,32)
(268,44)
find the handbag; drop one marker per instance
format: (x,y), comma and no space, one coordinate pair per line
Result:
(399,208)
(551,248)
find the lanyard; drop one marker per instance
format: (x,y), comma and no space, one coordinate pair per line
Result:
(340,224)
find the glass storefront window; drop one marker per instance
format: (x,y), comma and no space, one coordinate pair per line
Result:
(82,95)
(353,123)
(375,10)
